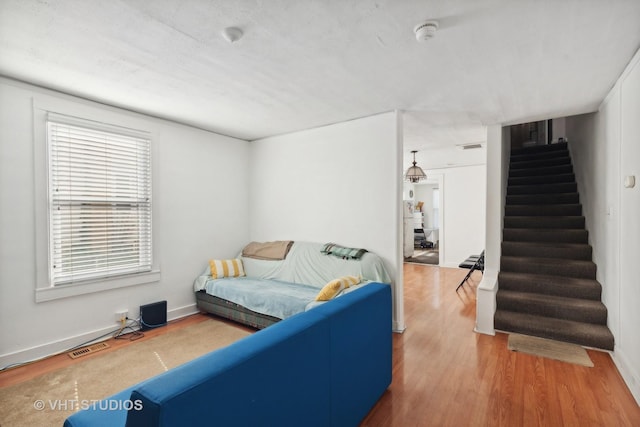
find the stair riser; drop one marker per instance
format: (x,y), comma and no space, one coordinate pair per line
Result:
(555,170)
(539,308)
(539,156)
(503,323)
(544,199)
(576,222)
(543,210)
(551,236)
(579,269)
(550,285)
(542,179)
(565,187)
(578,252)
(538,149)
(529,164)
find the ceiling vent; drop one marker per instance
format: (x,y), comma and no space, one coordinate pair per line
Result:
(471,146)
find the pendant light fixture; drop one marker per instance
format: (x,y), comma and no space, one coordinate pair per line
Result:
(415,172)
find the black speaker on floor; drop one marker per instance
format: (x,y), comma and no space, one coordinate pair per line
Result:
(153,315)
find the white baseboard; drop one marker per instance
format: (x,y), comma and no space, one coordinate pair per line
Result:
(631,378)
(397,327)
(183,311)
(61,346)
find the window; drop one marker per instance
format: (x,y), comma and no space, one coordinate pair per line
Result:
(99,201)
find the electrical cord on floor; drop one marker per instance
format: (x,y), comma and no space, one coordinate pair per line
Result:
(28,362)
(135,333)
(116,334)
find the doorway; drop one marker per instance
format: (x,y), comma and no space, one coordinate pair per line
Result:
(428,219)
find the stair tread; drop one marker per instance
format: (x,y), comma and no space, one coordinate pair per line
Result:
(531,189)
(550,284)
(576,281)
(541,155)
(560,267)
(570,222)
(550,235)
(539,171)
(523,158)
(559,146)
(543,210)
(535,217)
(588,334)
(554,306)
(542,179)
(543,198)
(548,261)
(544,230)
(543,185)
(552,299)
(550,195)
(543,245)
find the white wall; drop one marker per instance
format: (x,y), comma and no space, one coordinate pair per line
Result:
(463,210)
(339,183)
(201,210)
(604,148)
(447,157)
(558,129)
(498,153)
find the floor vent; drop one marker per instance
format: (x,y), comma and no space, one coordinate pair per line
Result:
(87,350)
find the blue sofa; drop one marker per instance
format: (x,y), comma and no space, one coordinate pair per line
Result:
(324,367)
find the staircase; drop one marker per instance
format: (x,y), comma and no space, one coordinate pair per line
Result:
(547,285)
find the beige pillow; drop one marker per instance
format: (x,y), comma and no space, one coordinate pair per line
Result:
(334,287)
(226,268)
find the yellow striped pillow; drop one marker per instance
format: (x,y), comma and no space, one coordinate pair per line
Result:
(226,268)
(332,288)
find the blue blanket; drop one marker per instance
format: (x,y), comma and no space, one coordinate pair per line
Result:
(271,297)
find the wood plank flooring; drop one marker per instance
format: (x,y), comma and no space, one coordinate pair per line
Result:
(444,374)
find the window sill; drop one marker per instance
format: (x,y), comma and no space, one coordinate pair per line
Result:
(65,291)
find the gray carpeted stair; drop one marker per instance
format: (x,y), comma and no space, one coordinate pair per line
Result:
(574,209)
(547,285)
(585,334)
(579,251)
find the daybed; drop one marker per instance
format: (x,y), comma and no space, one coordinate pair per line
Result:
(324,367)
(268,290)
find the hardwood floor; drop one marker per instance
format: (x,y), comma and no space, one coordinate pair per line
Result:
(444,374)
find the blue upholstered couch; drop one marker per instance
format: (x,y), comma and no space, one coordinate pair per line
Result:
(324,367)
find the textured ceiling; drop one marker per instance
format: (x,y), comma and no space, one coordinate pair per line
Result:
(303,64)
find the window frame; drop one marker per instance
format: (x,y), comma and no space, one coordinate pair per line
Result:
(106,118)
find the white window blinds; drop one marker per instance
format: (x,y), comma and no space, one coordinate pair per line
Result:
(100,202)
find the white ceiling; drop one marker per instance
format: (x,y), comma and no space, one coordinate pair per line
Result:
(303,64)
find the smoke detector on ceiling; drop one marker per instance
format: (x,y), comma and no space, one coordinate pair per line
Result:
(425,30)
(232,34)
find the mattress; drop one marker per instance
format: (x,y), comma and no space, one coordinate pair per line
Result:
(233,311)
(274,298)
